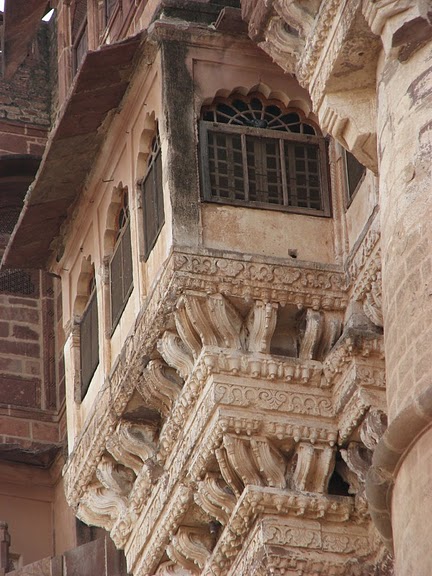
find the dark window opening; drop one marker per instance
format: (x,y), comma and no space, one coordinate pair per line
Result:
(89,340)
(152,198)
(256,153)
(120,266)
(354,172)
(110,6)
(79,33)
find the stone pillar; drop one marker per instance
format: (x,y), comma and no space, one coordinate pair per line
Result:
(404,458)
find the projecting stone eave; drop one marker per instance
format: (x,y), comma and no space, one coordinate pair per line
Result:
(72,147)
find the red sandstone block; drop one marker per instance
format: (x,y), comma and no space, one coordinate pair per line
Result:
(32,302)
(11,128)
(20,314)
(20,348)
(10,365)
(44,432)
(18,391)
(37,132)
(36,149)
(14,427)
(23,333)
(33,367)
(4,329)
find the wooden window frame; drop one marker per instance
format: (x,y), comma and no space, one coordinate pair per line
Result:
(155,159)
(126,290)
(92,305)
(282,137)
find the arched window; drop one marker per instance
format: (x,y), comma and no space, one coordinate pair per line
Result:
(89,334)
(257,152)
(152,197)
(120,265)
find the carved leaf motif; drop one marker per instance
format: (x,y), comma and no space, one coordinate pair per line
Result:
(241,459)
(114,447)
(186,329)
(214,499)
(300,16)
(132,444)
(190,547)
(160,387)
(358,459)
(114,477)
(101,507)
(226,321)
(176,354)
(312,335)
(261,324)
(313,468)
(373,427)
(228,472)
(230,267)
(271,463)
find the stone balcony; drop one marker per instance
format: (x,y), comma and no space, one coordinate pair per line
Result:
(238,416)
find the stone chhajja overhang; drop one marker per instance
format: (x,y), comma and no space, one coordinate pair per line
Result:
(72,147)
(233,462)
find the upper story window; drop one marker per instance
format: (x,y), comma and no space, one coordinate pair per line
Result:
(79,32)
(120,266)
(354,173)
(256,152)
(152,197)
(89,339)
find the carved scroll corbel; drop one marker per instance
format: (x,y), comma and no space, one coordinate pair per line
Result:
(283,44)
(190,548)
(160,386)
(372,428)
(114,477)
(132,444)
(101,507)
(241,459)
(214,499)
(314,467)
(271,463)
(176,353)
(312,335)
(226,321)
(208,321)
(299,15)
(228,472)
(261,324)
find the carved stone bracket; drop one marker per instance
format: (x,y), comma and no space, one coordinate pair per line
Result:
(350,119)
(404,25)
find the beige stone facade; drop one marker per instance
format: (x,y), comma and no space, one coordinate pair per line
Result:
(234,199)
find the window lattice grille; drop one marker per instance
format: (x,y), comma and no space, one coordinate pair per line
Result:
(89,342)
(258,153)
(152,198)
(121,275)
